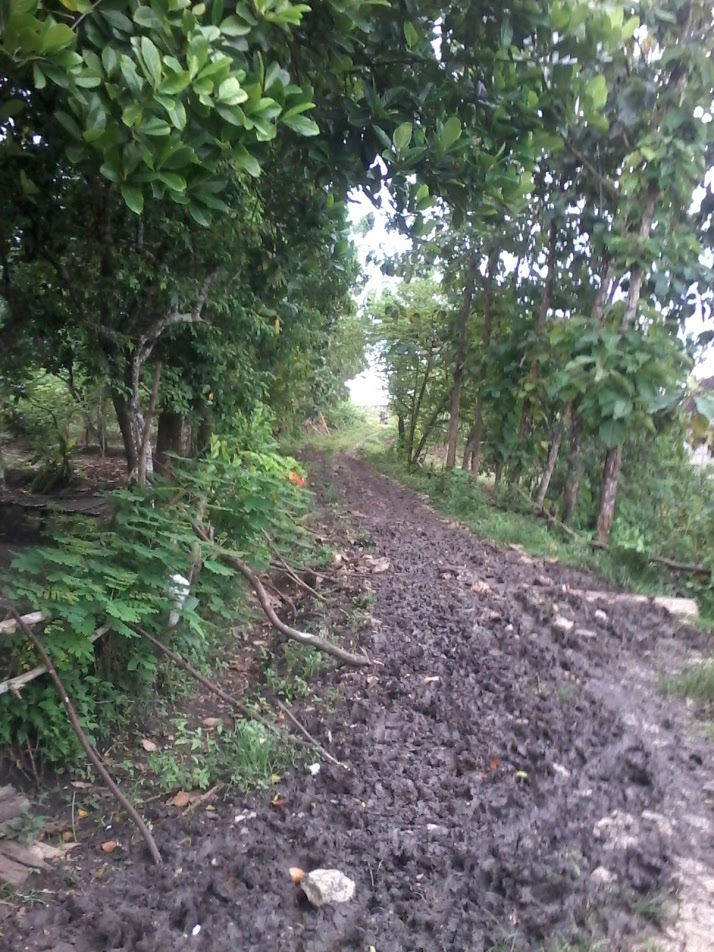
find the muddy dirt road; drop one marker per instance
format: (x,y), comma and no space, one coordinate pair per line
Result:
(513,783)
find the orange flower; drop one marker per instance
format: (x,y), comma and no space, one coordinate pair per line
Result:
(296,480)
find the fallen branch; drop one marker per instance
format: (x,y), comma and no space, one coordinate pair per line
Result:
(209,685)
(303,637)
(291,572)
(91,753)
(308,736)
(691,567)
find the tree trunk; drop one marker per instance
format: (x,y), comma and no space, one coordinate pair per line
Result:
(613,458)
(401,429)
(472,452)
(572,480)
(428,427)
(464,311)
(204,433)
(541,322)
(608,492)
(171,437)
(550,463)
(498,473)
(131,434)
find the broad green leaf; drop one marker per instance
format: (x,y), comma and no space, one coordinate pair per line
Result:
(705,405)
(68,123)
(38,77)
(198,215)
(231,92)
(175,83)
(302,125)
(244,160)
(234,26)
(110,60)
(152,60)
(117,20)
(56,37)
(612,433)
(629,27)
(145,16)
(133,197)
(410,34)
(597,90)
(451,132)
(402,136)
(174,181)
(132,115)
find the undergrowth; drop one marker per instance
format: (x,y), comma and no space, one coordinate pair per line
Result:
(92,573)
(249,756)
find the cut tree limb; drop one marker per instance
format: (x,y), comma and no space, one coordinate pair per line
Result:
(91,753)
(358,661)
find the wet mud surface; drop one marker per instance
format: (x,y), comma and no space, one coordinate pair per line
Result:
(512,783)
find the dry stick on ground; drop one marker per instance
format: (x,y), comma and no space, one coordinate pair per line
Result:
(302,636)
(177,659)
(308,736)
(291,572)
(283,597)
(86,746)
(209,685)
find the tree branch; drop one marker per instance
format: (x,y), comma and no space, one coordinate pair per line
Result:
(91,753)
(303,637)
(601,179)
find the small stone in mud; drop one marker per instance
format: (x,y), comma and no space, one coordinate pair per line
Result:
(600,616)
(563,624)
(586,633)
(603,877)
(326,886)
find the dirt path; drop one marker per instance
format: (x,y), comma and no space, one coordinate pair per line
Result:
(513,784)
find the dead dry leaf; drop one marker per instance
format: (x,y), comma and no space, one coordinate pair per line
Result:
(148,745)
(109,846)
(67,836)
(80,784)
(377,565)
(180,800)
(81,814)
(296,874)
(211,721)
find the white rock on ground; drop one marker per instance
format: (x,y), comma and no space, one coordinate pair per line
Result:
(327,886)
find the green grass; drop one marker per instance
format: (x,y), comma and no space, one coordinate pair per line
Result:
(248,757)
(696,682)
(362,435)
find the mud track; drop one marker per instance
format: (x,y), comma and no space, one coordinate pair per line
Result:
(497,763)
